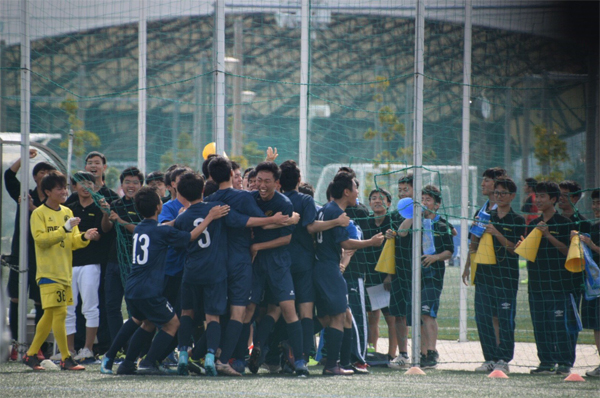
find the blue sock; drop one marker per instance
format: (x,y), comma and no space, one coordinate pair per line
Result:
(232,335)
(294,331)
(185,332)
(213,336)
(162,340)
(263,330)
(346,348)
(333,344)
(241,349)
(125,333)
(308,342)
(139,339)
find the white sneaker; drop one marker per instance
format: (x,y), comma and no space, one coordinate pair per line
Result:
(58,356)
(593,373)
(486,367)
(503,366)
(400,362)
(83,354)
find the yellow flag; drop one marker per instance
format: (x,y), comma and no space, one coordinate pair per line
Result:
(387,259)
(529,247)
(575,261)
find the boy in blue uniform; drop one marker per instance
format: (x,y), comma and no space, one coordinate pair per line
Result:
(330,286)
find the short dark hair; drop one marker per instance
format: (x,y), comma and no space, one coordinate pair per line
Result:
(494,172)
(132,171)
(342,181)
(235,165)
(269,167)
(94,154)
(434,192)
(146,201)
(549,187)
(347,170)
(220,169)
(191,186)
(248,170)
(179,171)
(81,176)
(572,186)
(507,183)
(290,174)
(210,187)
(205,164)
(155,176)
(531,182)
(306,189)
(53,179)
(596,194)
(407,179)
(42,166)
(168,173)
(381,191)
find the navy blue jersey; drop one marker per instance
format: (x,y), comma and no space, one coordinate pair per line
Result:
(301,247)
(175,258)
(328,242)
(150,242)
(239,239)
(207,256)
(278,203)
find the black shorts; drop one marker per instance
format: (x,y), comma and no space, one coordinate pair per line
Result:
(303,286)
(156,310)
(212,296)
(590,314)
(13,284)
(400,297)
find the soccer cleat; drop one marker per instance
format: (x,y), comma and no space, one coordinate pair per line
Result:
(486,367)
(70,364)
(126,368)
(337,370)
(106,366)
(312,361)
(14,354)
(563,370)
(301,368)
(196,367)
(503,366)
(33,362)
(593,373)
(543,370)
(239,365)
(288,354)
(182,364)
(147,368)
(209,364)
(257,358)
(360,368)
(84,355)
(226,369)
(400,362)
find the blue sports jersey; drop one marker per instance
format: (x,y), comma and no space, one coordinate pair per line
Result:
(301,247)
(207,256)
(175,258)
(239,239)
(328,242)
(278,203)
(150,242)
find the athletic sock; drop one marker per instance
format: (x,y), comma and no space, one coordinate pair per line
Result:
(125,333)
(13,318)
(200,348)
(333,344)
(294,331)
(41,332)
(162,340)
(139,339)
(241,348)
(308,341)
(263,330)
(346,348)
(230,340)
(213,336)
(185,333)
(39,313)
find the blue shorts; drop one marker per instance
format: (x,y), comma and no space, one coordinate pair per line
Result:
(212,296)
(590,314)
(430,298)
(303,286)
(156,310)
(331,290)
(272,269)
(239,284)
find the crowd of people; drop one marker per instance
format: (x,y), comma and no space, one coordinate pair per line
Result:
(211,263)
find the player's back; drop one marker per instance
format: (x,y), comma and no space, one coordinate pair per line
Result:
(328,249)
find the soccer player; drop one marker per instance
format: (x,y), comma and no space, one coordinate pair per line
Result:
(496,285)
(437,247)
(95,163)
(86,266)
(36,198)
(245,178)
(252,180)
(590,309)
(570,193)
(56,235)
(330,286)
(237,175)
(553,290)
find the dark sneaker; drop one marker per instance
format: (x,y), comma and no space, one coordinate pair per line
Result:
(257,358)
(593,373)
(147,368)
(33,362)
(196,367)
(563,370)
(287,354)
(358,368)
(70,364)
(337,370)
(543,370)
(301,368)
(126,368)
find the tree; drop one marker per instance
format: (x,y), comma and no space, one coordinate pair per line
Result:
(183,154)
(550,152)
(82,139)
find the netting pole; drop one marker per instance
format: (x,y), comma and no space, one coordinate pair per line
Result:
(142,49)
(464,176)
(238,53)
(304,59)
(70,157)
(219,70)
(418,183)
(24,215)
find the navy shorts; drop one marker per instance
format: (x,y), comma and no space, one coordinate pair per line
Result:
(156,310)
(239,284)
(212,296)
(303,286)
(331,290)
(590,314)
(272,269)
(400,297)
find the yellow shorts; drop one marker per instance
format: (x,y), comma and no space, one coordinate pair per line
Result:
(55,295)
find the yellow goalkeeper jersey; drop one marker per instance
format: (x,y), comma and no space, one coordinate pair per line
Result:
(53,244)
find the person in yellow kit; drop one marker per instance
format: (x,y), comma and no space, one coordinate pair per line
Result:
(56,235)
